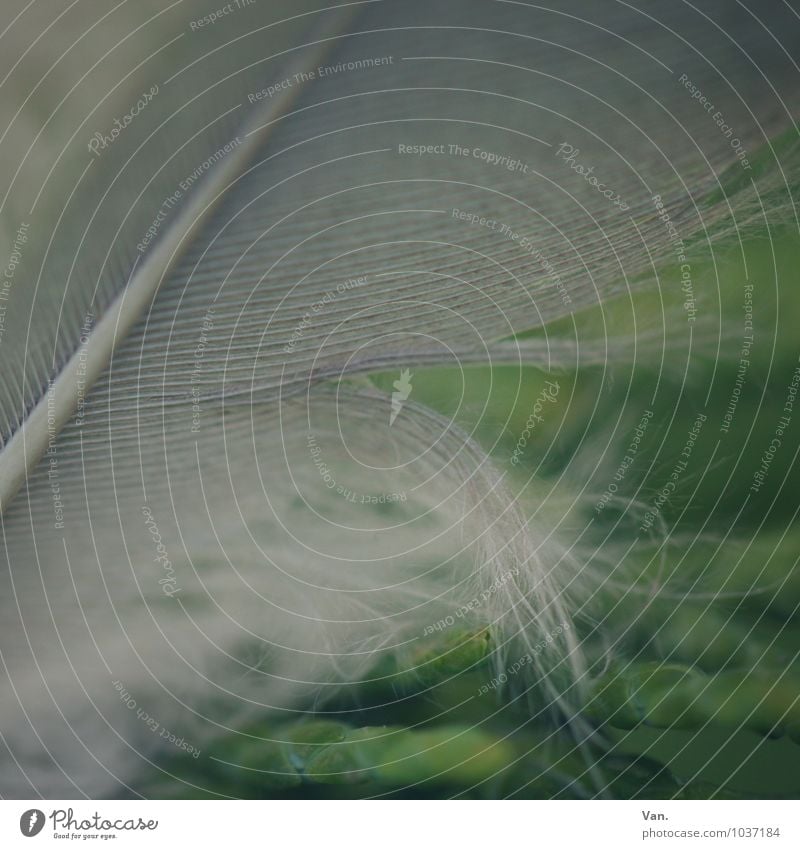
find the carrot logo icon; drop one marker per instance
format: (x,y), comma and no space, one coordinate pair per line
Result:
(403,387)
(31,822)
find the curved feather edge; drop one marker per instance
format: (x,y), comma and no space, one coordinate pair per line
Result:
(55,408)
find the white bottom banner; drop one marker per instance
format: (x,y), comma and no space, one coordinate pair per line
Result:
(333,824)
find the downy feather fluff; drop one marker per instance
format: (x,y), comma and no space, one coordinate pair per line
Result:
(182,417)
